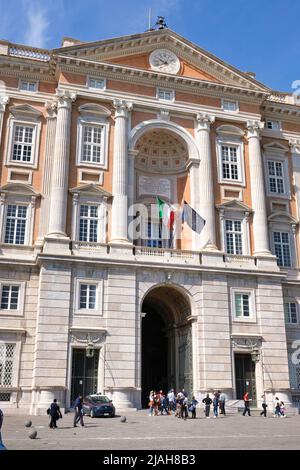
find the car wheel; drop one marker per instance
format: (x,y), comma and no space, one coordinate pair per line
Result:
(112,415)
(92,415)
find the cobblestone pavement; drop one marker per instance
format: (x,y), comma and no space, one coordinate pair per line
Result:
(155,433)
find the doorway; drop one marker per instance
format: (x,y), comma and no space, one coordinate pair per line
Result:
(84,373)
(166,342)
(245,376)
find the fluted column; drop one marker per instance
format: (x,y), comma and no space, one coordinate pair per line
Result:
(3,102)
(258,194)
(48,164)
(59,179)
(205,185)
(119,219)
(295,151)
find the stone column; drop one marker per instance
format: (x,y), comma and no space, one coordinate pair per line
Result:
(119,219)
(295,151)
(59,178)
(258,194)
(205,186)
(3,102)
(47,173)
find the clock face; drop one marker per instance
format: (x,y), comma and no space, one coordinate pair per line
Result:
(163,60)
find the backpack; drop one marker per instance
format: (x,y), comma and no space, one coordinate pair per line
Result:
(48,411)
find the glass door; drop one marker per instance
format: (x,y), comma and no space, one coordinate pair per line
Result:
(84,374)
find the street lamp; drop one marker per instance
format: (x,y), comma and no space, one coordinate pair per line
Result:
(255,355)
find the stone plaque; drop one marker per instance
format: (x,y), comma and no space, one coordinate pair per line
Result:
(154,186)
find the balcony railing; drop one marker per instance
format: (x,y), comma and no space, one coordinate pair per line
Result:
(29,53)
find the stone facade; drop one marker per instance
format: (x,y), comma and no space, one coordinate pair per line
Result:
(88,130)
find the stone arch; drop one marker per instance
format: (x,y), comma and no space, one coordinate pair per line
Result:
(156,124)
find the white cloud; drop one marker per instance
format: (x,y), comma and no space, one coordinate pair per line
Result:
(37,24)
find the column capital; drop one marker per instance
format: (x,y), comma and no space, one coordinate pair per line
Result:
(64,98)
(4,100)
(122,108)
(204,121)
(51,107)
(295,146)
(254,128)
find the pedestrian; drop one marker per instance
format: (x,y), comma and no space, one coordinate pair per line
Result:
(55,414)
(222,404)
(216,404)
(185,393)
(2,446)
(171,399)
(246,404)
(277,408)
(192,407)
(151,403)
(282,410)
(165,405)
(156,403)
(264,407)
(179,403)
(207,402)
(78,416)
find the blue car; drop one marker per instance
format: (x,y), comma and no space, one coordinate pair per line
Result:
(98,405)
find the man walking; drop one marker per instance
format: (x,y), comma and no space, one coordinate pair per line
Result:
(78,411)
(246,404)
(222,404)
(55,413)
(264,407)
(2,446)
(207,401)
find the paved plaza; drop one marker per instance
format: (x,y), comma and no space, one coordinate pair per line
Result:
(155,433)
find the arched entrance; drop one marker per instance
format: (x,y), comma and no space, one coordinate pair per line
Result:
(166,341)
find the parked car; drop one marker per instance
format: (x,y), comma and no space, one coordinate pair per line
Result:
(98,405)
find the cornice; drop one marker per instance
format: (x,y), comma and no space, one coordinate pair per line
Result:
(16,67)
(149,77)
(282,110)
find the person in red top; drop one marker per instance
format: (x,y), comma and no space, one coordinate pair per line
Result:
(246,404)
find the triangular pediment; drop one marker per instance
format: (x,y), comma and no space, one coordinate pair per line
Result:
(134,51)
(234,205)
(90,190)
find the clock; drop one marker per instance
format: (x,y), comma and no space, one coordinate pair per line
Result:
(164,60)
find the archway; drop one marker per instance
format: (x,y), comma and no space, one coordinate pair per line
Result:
(166,341)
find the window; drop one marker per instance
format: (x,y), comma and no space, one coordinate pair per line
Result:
(154,235)
(230,164)
(290,312)
(276,177)
(99,83)
(167,95)
(15,228)
(23,140)
(274,125)
(229,105)
(242,304)
(88,223)
(87,298)
(282,248)
(92,144)
(7,353)
(233,237)
(28,85)
(10,297)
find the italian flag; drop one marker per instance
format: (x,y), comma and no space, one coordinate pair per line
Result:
(166,213)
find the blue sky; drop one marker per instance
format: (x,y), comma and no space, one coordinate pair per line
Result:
(254,35)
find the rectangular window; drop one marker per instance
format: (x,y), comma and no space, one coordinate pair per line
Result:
(154,235)
(290,312)
(276,177)
(7,352)
(233,237)
(274,125)
(230,164)
(23,144)
(26,85)
(167,95)
(229,105)
(15,228)
(10,297)
(242,305)
(92,144)
(282,248)
(98,83)
(87,296)
(88,223)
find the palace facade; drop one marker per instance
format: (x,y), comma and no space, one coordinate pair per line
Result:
(87,132)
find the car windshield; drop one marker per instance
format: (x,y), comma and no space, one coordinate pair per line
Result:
(100,399)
